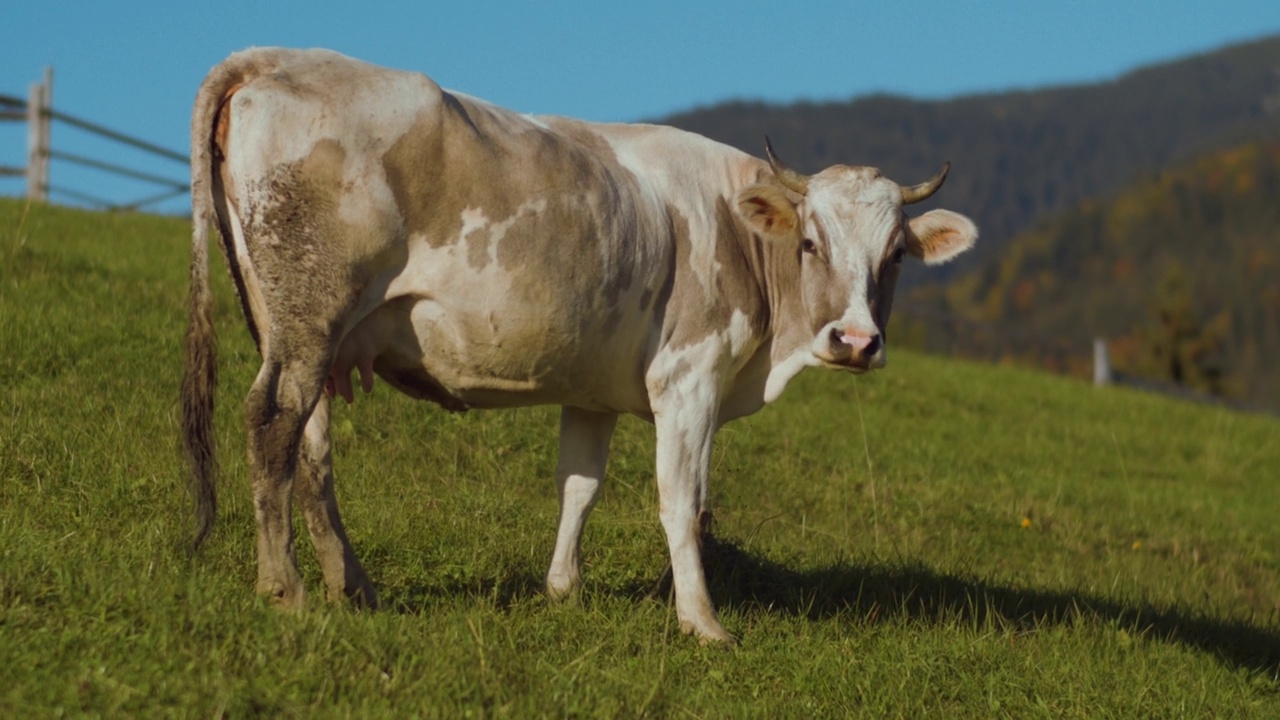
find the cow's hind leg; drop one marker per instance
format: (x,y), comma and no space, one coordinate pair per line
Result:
(344,578)
(276,411)
(584,450)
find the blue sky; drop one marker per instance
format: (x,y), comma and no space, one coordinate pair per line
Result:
(134,66)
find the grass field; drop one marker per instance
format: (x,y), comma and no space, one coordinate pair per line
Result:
(939,539)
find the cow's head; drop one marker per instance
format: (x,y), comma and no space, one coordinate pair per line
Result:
(850,234)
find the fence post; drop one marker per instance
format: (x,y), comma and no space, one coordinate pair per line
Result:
(1101,363)
(39,104)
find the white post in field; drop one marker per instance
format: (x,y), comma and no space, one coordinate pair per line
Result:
(1101,363)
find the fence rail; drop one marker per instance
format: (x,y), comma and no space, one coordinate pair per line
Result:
(38,113)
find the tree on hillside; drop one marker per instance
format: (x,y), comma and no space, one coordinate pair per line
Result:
(1177,345)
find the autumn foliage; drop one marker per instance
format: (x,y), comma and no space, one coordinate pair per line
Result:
(1178,271)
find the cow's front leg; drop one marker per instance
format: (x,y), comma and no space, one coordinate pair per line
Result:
(313,487)
(584,451)
(685,435)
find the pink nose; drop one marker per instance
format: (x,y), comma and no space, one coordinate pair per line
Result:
(856,339)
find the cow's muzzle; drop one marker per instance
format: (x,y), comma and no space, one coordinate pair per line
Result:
(851,349)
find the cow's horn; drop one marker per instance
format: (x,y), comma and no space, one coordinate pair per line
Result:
(790,179)
(916,193)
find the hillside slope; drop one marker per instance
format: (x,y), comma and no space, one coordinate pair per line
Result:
(937,539)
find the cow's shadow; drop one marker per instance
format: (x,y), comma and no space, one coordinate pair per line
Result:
(868,593)
(747,582)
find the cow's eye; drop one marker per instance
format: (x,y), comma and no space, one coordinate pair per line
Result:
(809,246)
(897,256)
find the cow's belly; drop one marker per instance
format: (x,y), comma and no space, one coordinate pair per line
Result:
(467,355)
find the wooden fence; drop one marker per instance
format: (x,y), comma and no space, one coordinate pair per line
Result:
(38,113)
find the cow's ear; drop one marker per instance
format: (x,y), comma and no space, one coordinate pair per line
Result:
(766,209)
(939,235)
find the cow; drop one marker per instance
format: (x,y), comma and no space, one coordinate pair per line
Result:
(476,257)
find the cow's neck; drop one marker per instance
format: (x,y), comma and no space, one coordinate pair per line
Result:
(776,268)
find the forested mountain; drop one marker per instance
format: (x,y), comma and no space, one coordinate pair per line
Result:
(1019,156)
(1180,271)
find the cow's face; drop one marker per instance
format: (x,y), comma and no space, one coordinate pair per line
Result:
(850,235)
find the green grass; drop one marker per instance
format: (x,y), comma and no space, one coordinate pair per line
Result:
(871,552)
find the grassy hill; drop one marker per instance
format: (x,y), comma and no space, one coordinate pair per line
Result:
(937,539)
(1019,157)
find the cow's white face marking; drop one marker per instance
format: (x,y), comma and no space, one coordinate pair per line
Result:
(851,220)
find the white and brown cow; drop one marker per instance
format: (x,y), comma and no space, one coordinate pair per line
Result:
(481,258)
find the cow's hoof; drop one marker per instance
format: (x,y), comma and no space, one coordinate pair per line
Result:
(365,596)
(282,596)
(566,592)
(564,585)
(709,633)
(358,593)
(725,641)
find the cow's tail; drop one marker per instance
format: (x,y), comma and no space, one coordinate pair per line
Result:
(200,375)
